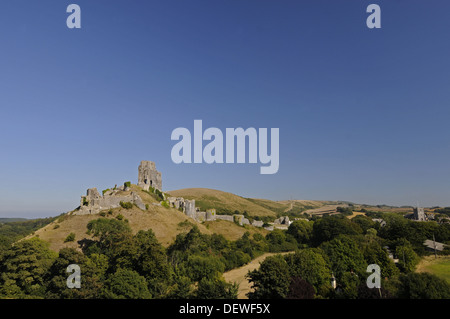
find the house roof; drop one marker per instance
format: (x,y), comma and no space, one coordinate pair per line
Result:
(430,244)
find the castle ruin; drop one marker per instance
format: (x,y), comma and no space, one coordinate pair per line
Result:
(93,202)
(148,176)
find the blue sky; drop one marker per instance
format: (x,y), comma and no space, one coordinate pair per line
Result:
(363,114)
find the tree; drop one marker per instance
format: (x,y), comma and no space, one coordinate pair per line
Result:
(375,254)
(310,265)
(365,292)
(92,275)
(204,267)
(23,268)
(328,228)
(365,222)
(279,241)
(126,284)
(423,286)
(301,230)
(271,280)
(407,258)
(345,256)
(300,289)
(109,231)
(182,288)
(216,288)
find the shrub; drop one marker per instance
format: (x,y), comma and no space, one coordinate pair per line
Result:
(119,217)
(70,237)
(159,194)
(165,204)
(126,205)
(127,184)
(56,227)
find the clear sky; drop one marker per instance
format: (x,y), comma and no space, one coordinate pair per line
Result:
(363,113)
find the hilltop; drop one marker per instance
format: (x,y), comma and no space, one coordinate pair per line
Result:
(166,223)
(228,203)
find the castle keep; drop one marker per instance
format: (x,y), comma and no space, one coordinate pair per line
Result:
(148,176)
(93,202)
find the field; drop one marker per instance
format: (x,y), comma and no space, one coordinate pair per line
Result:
(439,267)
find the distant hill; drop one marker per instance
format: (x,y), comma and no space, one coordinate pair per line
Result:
(11,220)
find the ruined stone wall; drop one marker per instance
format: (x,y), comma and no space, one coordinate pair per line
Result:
(93,202)
(189,208)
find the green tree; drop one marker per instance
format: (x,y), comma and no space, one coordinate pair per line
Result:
(182,288)
(23,267)
(271,280)
(310,265)
(344,256)
(126,284)
(328,228)
(216,288)
(407,258)
(423,286)
(109,232)
(375,254)
(280,241)
(364,222)
(92,275)
(204,267)
(301,230)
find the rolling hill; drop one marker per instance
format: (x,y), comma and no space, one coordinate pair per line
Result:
(228,203)
(166,223)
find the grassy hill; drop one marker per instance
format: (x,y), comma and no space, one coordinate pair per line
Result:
(166,223)
(223,202)
(228,203)
(12,220)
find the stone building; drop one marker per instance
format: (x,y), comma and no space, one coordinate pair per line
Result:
(419,214)
(148,176)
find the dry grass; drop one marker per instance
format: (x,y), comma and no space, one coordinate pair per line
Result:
(231,230)
(211,198)
(355,214)
(163,221)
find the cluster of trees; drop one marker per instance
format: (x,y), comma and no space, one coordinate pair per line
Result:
(119,264)
(12,231)
(338,247)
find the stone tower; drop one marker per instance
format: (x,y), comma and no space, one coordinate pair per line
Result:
(419,214)
(149,176)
